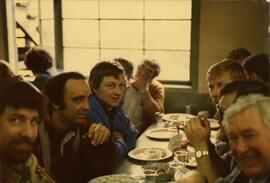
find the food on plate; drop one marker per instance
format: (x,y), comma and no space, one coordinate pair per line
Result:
(150,154)
(117,178)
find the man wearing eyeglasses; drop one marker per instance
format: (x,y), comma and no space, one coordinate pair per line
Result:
(108,84)
(145,96)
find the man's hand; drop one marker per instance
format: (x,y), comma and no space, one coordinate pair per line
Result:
(98,134)
(198,132)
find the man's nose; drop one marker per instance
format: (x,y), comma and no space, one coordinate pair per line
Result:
(27,130)
(241,146)
(118,90)
(86,104)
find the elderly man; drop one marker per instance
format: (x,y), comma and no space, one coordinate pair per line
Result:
(70,147)
(21,106)
(108,83)
(145,96)
(198,131)
(247,125)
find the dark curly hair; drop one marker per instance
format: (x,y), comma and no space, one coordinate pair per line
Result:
(38,60)
(20,94)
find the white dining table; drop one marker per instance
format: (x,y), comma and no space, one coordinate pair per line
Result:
(133,167)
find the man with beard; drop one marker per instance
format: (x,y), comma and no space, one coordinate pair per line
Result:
(71,148)
(20,111)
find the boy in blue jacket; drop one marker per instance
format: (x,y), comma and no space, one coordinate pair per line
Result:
(108,84)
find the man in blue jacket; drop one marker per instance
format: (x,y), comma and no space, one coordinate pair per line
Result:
(108,84)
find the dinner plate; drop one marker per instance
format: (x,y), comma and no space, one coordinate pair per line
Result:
(161,133)
(176,117)
(150,153)
(116,178)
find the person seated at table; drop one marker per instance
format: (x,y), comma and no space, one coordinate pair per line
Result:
(145,96)
(221,73)
(128,67)
(258,68)
(247,125)
(40,62)
(21,108)
(238,55)
(71,148)
(198,131)
(217,76)
(108,84)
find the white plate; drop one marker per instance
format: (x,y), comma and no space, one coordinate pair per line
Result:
(116,178)
(150,153)
(161,133)
(182,118)
(175,117)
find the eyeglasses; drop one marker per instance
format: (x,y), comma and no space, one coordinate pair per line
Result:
(220,112)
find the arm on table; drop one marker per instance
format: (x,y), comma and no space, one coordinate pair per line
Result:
(211,166)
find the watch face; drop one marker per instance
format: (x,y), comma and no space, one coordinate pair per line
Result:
(198,154)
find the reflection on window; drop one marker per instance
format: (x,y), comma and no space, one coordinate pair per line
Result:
(106,29)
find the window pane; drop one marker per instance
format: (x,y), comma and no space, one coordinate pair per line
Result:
(121,34)
(174,64)
(121,9)
(80,9)
(80,33)
(167,35)
(168,9)
(46,9)
(47,32)
(20,42)
(81,60)
(19,32)
(134,56)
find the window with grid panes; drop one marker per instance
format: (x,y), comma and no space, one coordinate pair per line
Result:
(96,30)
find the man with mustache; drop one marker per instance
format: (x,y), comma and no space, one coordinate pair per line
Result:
(21,107)
(108,84)
(73,149)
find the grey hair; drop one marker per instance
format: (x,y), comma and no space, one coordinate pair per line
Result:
(260,102)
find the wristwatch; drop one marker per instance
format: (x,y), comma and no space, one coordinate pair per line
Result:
(199,154)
